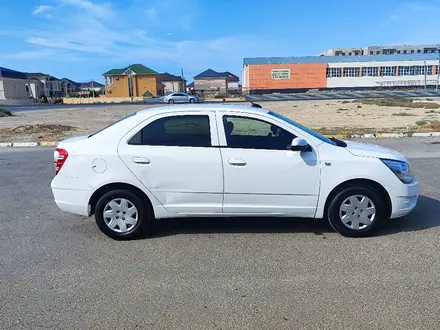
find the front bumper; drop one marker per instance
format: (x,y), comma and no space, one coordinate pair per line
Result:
(404,199)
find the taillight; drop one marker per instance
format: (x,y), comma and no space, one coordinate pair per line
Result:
(59,158)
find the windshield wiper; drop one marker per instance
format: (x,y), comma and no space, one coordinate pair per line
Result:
(338,142)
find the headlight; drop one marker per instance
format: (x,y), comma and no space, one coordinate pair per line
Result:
(401,169)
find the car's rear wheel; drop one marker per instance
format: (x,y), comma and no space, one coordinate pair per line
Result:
(356,211)
(170,101)
(192,101)
(121,214)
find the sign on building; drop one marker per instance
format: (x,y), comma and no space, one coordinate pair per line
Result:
(280,73)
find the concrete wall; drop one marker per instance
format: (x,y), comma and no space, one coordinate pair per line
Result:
(211,85)
(302,76)
(173,86)
(101,99)
(233,85)
(13,89)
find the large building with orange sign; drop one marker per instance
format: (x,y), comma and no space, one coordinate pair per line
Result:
(301,74)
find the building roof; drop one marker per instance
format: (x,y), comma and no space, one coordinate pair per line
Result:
(8,73)
(136,68)
(169,77)
(41,75)
(69,81)
(338,59)
(191,85)
(208,74)
(91,84)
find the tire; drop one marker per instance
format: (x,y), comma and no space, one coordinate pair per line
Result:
(192,101)
(343,207)
(129,228)
(170,101)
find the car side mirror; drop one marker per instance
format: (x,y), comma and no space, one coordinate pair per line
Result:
(300,145)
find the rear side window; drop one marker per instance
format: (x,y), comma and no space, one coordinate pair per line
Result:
(179,131)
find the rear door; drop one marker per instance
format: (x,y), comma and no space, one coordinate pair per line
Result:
(175,156)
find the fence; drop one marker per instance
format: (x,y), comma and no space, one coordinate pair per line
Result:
(101,99)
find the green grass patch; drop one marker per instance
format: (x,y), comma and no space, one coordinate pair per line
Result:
(5,113)
(421,122)
(403,114)
(432,111)
(345,102)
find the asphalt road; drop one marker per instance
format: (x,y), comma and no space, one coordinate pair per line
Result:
(57,271)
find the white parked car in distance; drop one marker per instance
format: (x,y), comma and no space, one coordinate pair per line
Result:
(219,160)
(181,98)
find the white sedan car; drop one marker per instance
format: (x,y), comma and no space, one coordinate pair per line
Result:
(216,161)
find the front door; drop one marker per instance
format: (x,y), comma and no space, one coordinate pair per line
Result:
(262,175)
(172,155)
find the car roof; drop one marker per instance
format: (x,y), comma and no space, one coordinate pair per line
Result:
(206,107)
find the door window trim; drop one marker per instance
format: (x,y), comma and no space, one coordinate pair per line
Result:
(245,116)
(212,128)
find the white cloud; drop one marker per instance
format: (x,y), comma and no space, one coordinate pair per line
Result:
(41,9)
(101,11)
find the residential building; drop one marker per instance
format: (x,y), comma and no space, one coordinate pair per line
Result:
(92,86)
(383,50)
(12,85)
(69,86)
(300,74)
(132,81)
(211,81)
(41,84)
(172,83)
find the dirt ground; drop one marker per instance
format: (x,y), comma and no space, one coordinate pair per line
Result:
(326,116)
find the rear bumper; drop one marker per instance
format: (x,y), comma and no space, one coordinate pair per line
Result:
(74,199)
(404,200)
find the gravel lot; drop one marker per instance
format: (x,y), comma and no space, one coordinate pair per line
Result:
(57,271)
(327,116)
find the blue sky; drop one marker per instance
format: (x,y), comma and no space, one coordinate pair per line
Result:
(81,39)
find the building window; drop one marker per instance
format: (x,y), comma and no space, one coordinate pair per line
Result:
(377,52)
(349,53)
(415,70)
(351,72)
(280,74)
(418,51)
(333,72)
(387,70)
(109,80)
(404,51)
(398,52)
(404,71)
(370,72)
(371,52)
(412,51)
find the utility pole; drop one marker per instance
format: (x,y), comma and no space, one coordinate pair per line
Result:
(184,81)
(438,74)
(425,73)
(93,90)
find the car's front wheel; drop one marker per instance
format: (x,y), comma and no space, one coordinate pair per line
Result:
(356,211)
(121,214)
(170,101)
(192,101)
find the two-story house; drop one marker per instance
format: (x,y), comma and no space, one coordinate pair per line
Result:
(42,84)
(211,81)
(133,81)
(172,83)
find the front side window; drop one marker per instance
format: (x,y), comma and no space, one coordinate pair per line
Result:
(252,133)
(178,131)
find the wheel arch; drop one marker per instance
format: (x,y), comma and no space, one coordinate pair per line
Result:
(118,185)
(356,183)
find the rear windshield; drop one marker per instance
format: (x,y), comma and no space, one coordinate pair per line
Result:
(305,129)
(118,121)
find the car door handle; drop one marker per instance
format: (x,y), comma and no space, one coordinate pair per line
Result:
(141,160)
(237,162)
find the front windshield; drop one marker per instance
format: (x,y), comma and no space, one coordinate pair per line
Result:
(305,129)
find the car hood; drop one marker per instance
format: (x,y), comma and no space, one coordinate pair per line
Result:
(372,150)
